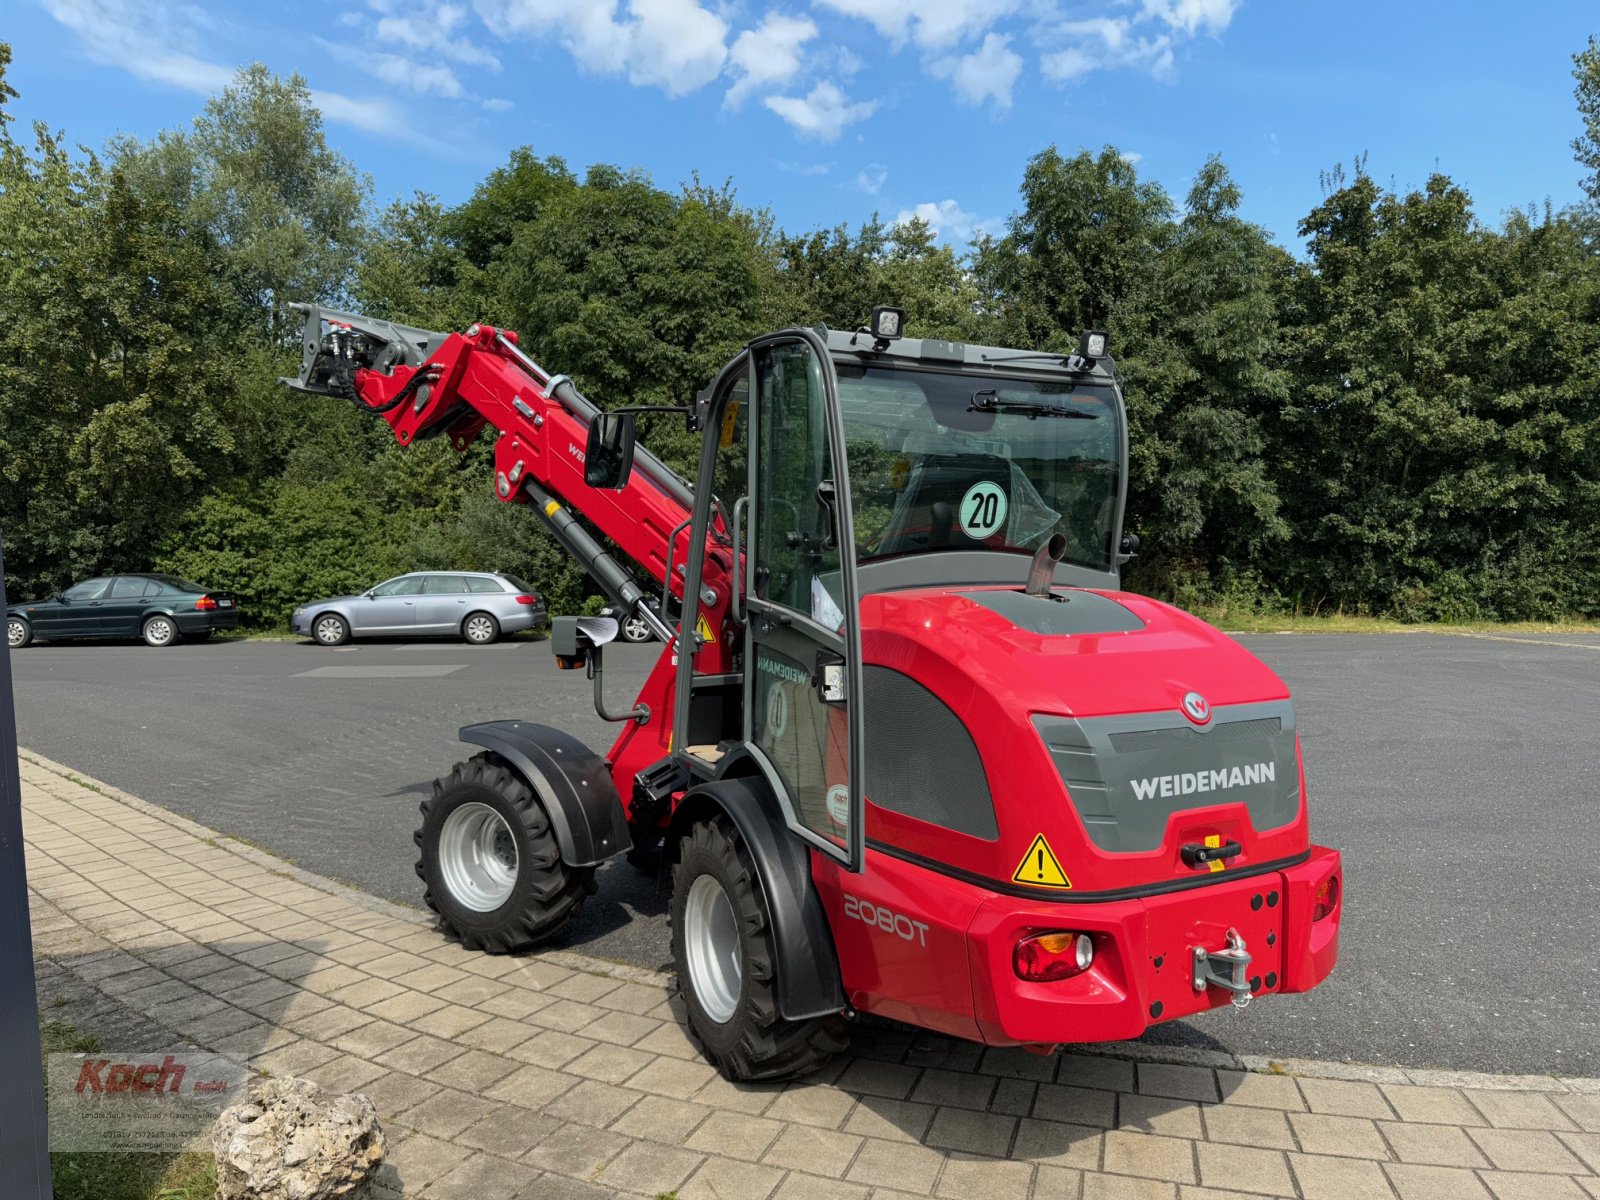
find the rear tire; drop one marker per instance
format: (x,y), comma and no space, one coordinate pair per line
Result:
(490,861)
(159,631)
(330,629)
(480,629)
(727,966)
(18,632)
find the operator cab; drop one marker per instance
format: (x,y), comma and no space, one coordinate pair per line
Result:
(939,464)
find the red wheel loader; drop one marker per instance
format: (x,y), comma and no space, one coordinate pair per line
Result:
(908,749)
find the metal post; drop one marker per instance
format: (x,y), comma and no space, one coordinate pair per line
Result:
(24,1145)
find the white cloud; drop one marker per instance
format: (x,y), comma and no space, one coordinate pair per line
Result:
(123,33)
(432,26)
(429,79)
(1189,17)
(1132,157)
(808,170)
(768,56)
(872,177)
(1142,40)
(823,112)
(675,45)
(988,73)
(946,218)
(498,104)
(152,39)
(932,24)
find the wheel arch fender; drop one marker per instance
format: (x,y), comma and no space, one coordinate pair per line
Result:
(572,782)
(808,982)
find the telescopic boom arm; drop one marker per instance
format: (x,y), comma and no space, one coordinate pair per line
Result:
(425,384)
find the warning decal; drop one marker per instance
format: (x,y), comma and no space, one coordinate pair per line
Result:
(1040,868)
(1216,864)
(703,628)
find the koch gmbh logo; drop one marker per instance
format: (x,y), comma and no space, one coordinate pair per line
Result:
(153,1102)
(1197,708)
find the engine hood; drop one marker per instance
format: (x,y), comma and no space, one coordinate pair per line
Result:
(1079,653)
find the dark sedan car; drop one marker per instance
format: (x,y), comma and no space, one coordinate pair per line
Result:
(161,609)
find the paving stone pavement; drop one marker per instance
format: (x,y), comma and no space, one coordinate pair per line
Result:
(552,1076)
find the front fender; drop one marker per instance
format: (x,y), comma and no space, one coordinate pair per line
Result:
(572,782)
(808,964)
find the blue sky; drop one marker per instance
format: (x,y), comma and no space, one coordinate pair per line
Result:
(826,110)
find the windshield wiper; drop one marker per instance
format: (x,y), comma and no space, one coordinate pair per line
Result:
(988,401)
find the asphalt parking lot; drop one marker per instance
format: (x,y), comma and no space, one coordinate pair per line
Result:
(1455,772)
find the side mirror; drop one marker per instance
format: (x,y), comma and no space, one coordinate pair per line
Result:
(608,456)
(1130,545)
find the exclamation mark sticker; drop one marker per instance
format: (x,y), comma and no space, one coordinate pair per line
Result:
(1040,868)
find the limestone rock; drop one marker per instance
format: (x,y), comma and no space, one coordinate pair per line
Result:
(290,1140)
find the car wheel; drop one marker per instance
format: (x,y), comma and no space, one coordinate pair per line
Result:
(159,631)
(634,629)
(18,633)
(330,629)
(480,629)
(722,947)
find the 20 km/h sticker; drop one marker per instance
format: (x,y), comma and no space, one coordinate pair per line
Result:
(983,510)
(1040,868)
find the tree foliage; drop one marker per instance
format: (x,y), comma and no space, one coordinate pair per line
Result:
(1403,420)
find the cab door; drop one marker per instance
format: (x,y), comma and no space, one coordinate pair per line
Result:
(803,649)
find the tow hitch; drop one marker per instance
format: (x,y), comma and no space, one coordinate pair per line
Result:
(1226,968)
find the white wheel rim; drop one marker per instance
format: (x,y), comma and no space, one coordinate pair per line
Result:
(480,629)
(636,630)
(329,630)
(711,944)
(15,632)
(158,632)
(478,857)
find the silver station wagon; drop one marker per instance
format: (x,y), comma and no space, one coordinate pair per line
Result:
(475,606)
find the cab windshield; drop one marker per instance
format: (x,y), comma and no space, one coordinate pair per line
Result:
(947,461)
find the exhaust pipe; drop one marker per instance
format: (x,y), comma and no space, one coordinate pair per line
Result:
(1042,572)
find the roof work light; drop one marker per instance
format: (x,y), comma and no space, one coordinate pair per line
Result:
(1092,345)
(887,323)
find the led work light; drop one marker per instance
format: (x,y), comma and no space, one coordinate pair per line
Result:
(887,323)
(1093,344)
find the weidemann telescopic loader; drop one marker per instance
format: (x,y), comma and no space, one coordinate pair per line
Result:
(908,749)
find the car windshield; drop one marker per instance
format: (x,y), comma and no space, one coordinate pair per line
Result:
(946,461)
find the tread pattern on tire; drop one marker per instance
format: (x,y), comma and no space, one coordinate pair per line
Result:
(555,891)
(766,1046)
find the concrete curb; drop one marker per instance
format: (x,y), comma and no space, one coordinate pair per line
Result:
(1129,1051)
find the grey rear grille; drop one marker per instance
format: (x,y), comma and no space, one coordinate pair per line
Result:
(1128,775)
(1145,740)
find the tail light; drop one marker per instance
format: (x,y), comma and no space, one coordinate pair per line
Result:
(1327,898)
(527,599)
(1044,957)
(205,604)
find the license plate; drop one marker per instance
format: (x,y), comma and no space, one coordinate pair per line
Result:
(224,603)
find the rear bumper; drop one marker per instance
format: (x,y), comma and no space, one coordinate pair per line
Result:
(527,616)
(1143,972)
(207,622)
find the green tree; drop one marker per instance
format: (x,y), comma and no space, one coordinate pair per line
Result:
(1586,70)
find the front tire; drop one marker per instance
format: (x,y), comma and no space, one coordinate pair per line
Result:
(727,965)
(480,629)
(159,631)
(330,629)
(490,861)
(18,632)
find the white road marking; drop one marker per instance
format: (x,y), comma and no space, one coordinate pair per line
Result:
(1500,637)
